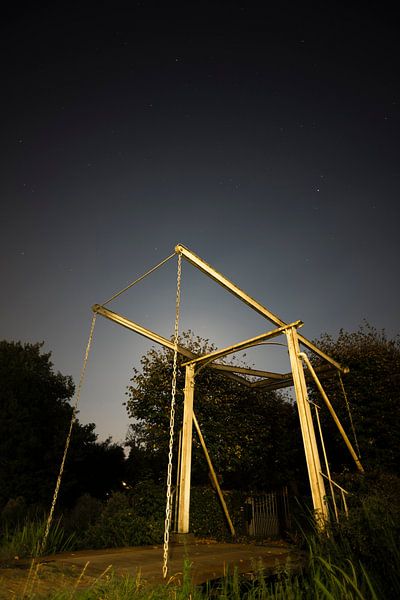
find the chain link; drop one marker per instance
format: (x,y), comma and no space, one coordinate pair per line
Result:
(172,421)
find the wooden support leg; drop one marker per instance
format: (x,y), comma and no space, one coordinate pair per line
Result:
(186,452)
(331,410)
(307,430)
(214,477)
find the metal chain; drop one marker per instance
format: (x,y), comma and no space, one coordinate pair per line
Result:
(67,443)
(350,415)
(172,421)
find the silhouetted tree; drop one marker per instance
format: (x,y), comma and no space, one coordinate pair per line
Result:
(373,391)
(252,435)
(35,415)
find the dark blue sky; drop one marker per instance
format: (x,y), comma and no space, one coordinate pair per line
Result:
(267,140)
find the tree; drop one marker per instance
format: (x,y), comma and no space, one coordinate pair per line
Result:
(372,388)
(93,467)
(249,433)
(35,416)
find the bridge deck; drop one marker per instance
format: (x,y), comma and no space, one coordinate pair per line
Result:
(208,560)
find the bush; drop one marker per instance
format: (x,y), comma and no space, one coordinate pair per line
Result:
(372,530)
(148,500)
(120,525)
(123,529)
(85,513)
(207,518)
(138,518)
(14,511)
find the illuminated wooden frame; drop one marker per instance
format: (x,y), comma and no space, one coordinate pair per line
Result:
(266,379)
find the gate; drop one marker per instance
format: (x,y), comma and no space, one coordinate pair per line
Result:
(267,514)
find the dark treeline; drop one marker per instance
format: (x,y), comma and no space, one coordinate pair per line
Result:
(253,436)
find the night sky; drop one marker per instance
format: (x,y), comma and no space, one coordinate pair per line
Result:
(266,140)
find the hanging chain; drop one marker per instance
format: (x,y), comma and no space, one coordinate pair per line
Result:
(172,421)
(350,415)
(67,443)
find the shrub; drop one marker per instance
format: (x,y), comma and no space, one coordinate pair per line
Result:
(148,500)
(207,517)
(120,525)
(14,511)
(123,529)
(85,513)
(372,530)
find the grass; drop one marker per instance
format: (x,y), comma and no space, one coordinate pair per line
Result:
(24,539)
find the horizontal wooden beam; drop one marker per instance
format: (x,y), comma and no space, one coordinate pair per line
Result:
(272,381)
(248,371)
(155,337)
(211,356)
(268,385)
(147,333)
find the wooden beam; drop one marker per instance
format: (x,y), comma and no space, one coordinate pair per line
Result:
(308,433)
(214,476)
(248,371)
(186,453)
(321,390)
(200,264)
(287,380)
(147,333)
(268,385)
(155,337)
(208,358)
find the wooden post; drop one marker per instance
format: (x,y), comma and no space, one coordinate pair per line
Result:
(186,452)
(307,431)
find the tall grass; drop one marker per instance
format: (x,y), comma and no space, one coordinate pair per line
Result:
(24,539)
(324,580)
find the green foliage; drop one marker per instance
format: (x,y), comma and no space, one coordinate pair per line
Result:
(86,512)
(137,518)
(148,500)
(207,518)
(372,530)
(373,391)
(24,540)
(246,430)
(120,525)
(123,529)
(125,519)
(112,587)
